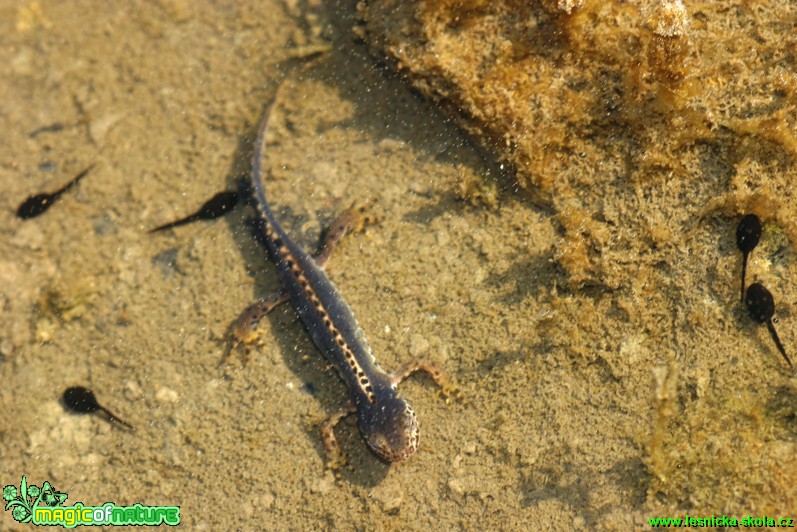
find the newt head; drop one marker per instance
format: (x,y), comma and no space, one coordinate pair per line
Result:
(389,426)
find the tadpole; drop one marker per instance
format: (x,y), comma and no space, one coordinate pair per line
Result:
(761,307)
(39,203)
(747,236)
(217,206)
(83,401)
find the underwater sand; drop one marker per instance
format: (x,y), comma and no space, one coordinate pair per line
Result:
(592,317)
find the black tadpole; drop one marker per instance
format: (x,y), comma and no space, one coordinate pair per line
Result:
(82,400)
(747,236)
(761,308)
(38,203)
(218,205)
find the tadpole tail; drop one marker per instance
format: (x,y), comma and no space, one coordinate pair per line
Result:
(108,415)
(774,335)
(217,206)
(176,223)
(744,271)
(74,181)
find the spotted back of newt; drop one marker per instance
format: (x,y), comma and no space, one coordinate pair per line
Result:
(386,420)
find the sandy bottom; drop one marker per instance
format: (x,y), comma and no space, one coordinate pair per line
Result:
(569,404)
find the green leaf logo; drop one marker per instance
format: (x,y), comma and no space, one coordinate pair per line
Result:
(22,502)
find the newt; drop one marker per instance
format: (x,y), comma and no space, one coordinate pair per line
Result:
(387,422)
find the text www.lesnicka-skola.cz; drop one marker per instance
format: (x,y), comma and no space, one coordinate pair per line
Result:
(721,521)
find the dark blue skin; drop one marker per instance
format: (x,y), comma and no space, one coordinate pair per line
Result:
(386,421)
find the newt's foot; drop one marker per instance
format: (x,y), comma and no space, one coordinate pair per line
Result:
(448,385)
(336,459)
(337,462)
(244,333)
(354,220)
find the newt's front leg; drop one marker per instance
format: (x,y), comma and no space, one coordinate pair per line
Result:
(336,458)
(447,383)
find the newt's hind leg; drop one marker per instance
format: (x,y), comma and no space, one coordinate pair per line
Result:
(354,220)
(448,386)
(244,331)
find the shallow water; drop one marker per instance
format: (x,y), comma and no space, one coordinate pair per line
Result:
(573,413)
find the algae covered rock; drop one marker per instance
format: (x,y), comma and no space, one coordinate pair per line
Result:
(626,118)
